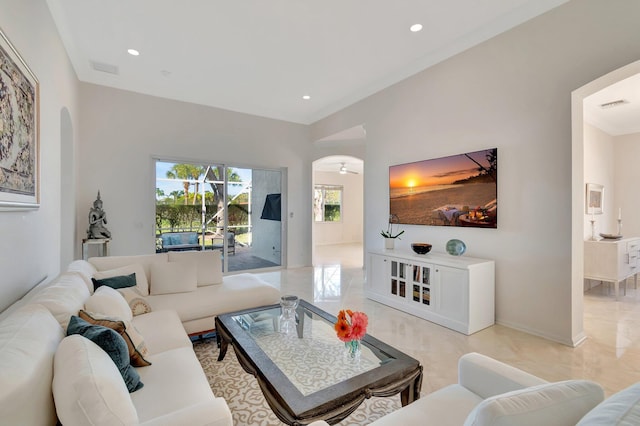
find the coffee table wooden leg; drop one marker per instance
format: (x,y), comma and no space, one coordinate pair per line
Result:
(222,340)
(412,392)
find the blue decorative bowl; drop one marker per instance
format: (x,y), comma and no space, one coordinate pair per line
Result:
(456,247)
(421,248)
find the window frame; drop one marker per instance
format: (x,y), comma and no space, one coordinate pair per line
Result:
(324,188)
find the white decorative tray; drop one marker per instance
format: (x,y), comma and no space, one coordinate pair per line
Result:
(610,236)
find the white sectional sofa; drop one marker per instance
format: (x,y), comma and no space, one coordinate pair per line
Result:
(48,377)
(191,283)
(490,392)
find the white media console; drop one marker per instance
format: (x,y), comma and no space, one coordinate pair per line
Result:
(456,292)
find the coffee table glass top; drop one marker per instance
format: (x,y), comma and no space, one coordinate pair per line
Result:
(310,355)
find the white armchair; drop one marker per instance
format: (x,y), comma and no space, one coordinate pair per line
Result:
(490,392)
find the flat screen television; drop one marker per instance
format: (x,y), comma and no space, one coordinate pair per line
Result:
(460,190)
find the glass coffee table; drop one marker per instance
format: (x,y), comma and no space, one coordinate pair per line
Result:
(303,370)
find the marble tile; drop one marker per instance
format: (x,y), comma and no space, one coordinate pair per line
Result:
(610,355)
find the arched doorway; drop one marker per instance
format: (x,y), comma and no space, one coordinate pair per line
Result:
(578,190)
(338,216)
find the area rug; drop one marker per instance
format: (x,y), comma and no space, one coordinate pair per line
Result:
(244,397)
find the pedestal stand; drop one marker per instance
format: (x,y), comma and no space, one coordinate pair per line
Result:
(101,243)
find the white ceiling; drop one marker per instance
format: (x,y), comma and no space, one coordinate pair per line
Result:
(333,163)
(619,120)
(260,57)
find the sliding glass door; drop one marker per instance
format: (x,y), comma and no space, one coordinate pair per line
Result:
(220,207)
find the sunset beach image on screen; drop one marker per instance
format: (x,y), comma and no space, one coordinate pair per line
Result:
(459,190)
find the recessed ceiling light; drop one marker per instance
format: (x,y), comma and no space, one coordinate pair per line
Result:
(306,97)
(415,28)
(133,52)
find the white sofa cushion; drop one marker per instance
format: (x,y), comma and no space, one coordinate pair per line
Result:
(64,297)
(160,339)
(85,269)
(175,380)
(142,283)
(559,403)
(236,292)
(113,262)
(87,386)
(208,264)
(28,341)
(108,301)
(173,277)
(620,409)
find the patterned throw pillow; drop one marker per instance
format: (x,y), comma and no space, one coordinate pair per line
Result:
(113,344)
(132,337)
(136,300)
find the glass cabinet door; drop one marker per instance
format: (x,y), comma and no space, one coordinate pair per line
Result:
(421,283)
(399,278)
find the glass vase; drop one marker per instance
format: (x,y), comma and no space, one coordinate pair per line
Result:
(288,304)
(353,349)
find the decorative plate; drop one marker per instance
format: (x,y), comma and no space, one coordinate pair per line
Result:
(611,236)
(456,247)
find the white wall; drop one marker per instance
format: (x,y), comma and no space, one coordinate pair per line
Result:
(30,242)
(121,131)
(350,229)
(627,179)
(512,92)
(267,234)
(599,167)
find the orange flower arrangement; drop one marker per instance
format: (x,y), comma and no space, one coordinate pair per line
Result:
(351,325)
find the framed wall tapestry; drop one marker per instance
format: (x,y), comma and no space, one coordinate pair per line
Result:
(19,131)
(594,199)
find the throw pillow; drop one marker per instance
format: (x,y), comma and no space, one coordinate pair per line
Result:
(208,264)
(108,301)
(132,337)
(620,409)
(136,301)
(113,344)
(135,268)
(117,282)
(173,277)
(560,403)
(87,386)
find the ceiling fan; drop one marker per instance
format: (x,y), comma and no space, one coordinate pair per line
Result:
(343,170)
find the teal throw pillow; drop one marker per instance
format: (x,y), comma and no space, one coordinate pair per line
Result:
(121,281)
(113,344)
(193,239)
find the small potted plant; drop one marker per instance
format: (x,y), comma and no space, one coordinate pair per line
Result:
(389,235)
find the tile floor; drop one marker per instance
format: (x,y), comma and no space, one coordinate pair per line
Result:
(610,355)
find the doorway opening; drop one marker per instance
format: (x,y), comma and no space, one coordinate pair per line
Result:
(582,173)
(338,211)
(214,206)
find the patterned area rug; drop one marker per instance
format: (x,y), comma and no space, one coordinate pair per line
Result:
(244,397)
